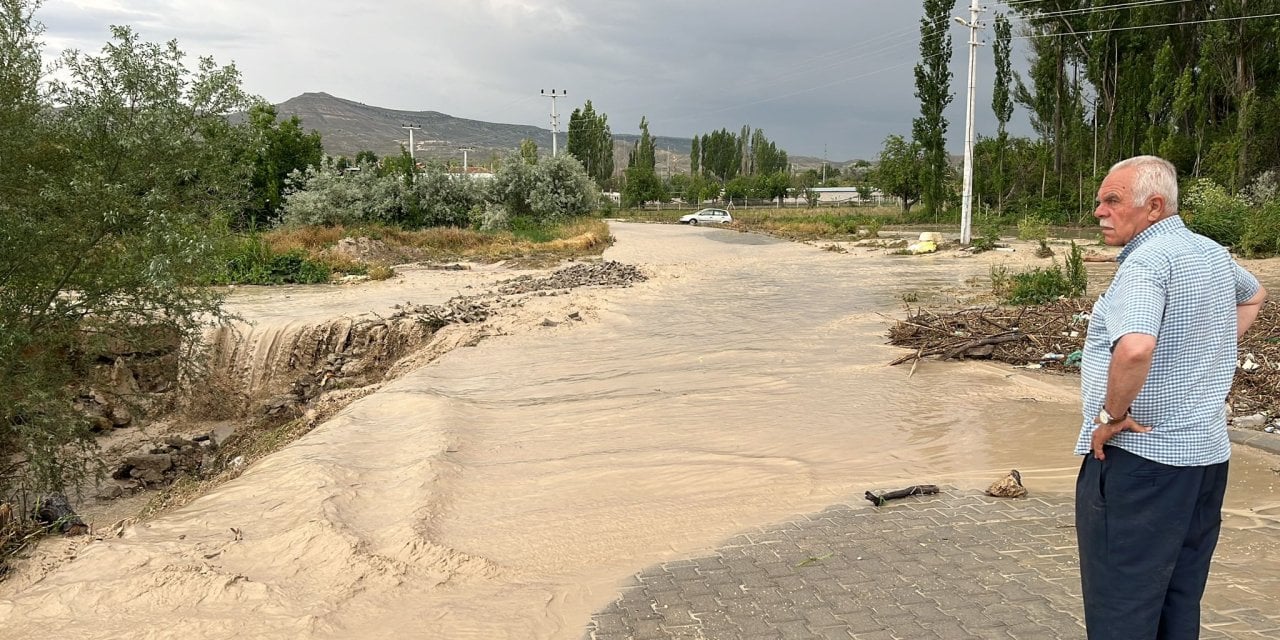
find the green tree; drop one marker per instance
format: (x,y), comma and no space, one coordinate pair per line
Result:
(113,194)
(898,173)
(1002,102)
(366,157)
(643,155)
(591,142)
(933,88)
(274,149)
(766,157)
(641,181)
(641,185)
(529,151)
(720,155)
(695,157)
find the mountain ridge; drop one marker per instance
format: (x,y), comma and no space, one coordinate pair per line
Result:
(347,127)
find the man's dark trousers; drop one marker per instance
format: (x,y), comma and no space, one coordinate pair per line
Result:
(1146,533)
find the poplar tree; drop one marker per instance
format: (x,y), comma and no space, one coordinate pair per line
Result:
(591,142)
(1001,102)
(933,88)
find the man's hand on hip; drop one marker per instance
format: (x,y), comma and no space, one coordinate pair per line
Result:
(1105,432)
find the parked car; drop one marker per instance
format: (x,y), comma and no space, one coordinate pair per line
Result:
(707,215)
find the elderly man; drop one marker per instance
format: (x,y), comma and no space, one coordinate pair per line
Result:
(1157,367)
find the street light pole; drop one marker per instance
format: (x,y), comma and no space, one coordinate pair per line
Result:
(966,203)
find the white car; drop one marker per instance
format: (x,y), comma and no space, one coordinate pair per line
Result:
(707,215)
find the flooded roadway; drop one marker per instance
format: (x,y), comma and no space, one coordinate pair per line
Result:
(504,490)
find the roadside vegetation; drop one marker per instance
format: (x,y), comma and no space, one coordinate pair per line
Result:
(136,179)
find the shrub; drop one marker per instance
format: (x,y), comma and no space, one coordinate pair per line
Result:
(1077,277)
(1210,211)
(442,200)
(873,228)
(1000,280)
(251,261)
(381,272)
(1033,227)
(560,189)
(988,238)
(1038,286)
(494,217)
(1261,236)
(323,196)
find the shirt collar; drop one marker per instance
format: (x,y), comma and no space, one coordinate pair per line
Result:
(1172,224)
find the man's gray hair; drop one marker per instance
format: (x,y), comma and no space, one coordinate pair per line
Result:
(1155,176)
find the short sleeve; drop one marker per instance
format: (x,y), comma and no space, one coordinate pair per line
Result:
(1137,299)
(1246,285)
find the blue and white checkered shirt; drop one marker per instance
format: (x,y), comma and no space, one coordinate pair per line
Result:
(1183,289)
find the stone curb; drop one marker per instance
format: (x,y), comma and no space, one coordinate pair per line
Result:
(1269,442)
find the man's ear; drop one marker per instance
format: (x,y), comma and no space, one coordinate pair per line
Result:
(1156,207)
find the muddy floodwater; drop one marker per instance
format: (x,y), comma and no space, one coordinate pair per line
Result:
(505,489)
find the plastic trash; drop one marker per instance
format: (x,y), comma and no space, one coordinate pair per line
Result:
(923,247)
(1052,356)
(1073,358)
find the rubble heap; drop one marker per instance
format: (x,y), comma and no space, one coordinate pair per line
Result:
(601,274)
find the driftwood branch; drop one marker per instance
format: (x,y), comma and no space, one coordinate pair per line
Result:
(914,490)
(55,512)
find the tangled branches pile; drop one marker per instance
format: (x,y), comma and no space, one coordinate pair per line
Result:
(1016,335)
(1046,336)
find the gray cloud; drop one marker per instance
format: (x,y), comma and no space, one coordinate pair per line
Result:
(833,74)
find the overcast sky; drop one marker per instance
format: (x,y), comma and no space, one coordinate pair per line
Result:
(823,76)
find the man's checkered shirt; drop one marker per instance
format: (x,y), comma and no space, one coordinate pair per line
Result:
(1183,289)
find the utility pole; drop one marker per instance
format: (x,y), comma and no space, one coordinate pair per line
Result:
(464,151)
(966,203)
(824,165)
(555,117)
(411,128)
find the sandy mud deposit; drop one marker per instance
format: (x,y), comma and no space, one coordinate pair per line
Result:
(507,489)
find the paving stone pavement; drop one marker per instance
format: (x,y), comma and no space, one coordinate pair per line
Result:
(955,565)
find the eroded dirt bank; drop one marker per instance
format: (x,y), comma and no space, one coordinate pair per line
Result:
(502,491)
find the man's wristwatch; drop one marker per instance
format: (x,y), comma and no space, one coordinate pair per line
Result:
(1105,417)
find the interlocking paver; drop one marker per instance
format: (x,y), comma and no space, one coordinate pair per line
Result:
(956,565)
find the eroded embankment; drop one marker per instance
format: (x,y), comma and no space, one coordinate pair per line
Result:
(264,384)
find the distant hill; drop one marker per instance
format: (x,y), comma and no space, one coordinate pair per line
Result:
(347,127)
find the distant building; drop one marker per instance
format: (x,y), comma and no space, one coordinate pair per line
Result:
(845,195)
(475,173)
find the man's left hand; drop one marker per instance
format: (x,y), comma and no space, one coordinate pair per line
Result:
(1105,432)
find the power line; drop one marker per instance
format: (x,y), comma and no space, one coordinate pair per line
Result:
(1091,10)
(1146,26)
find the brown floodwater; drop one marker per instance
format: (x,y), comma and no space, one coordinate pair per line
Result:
(504,490)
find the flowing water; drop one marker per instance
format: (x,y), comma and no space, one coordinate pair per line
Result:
(504,490)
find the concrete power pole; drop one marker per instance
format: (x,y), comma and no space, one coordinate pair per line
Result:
(966,203)
(411,128)
(464,151)
(555,117)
